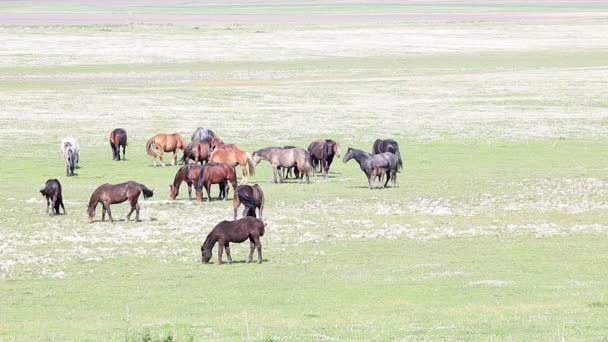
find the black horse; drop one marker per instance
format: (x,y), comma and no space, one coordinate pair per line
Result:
(375,164)
(54,199)
(118,138)
(387,145)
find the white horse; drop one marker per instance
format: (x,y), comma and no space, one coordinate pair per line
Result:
(75,149)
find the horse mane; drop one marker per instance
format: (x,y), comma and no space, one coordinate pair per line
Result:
(209,242)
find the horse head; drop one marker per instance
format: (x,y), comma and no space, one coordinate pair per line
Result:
(337,149)
(348,156)
(173,191)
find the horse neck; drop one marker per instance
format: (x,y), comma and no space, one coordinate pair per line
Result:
(179,177)
(93,201)
(359,155)
(210,241)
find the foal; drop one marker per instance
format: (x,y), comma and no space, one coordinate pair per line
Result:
(234,231)
(52,192)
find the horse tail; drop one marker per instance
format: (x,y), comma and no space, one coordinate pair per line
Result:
(310,165)
(149,145)
(398,153)
(262,231)
(247,199)
(250,212)
(71,158)
(186,155)
(44,192)
(200,182)
(250,164)
(147,192)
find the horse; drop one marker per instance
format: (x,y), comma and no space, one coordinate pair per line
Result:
(234,231)
(69,158)
(387,145)
(375,164)
(76,149)
(118,138)
(215,173)
(188,173)
(202,135)
(161,143)
(234,157)
(251,196)
(52,193)
(289,172)
(285,157)
(322,153)
(107,194)
(217,144)
(199,152)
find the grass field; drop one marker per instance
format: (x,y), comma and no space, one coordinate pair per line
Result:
(497,230)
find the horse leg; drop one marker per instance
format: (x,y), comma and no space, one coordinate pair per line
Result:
(113,150)
(103,212)
(219,253)
(261,207)
(62,207)
(132,209)
(208,188)
(109,212)
(228,253)
(160,157)
(52,213)
(190,192)
(174,158)
(48,204)
(251,249)
(124,152)
(388,177)
(235,204)
(325,168)
(258,245)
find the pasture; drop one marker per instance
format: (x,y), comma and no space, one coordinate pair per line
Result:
(497,230)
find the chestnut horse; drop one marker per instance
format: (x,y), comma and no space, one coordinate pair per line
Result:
(189,174)
(199,152)
(322,153)
(234,231)
(215,173)
(107,194)
(251,196)
(234,157)
(118,138)
(218,144)
(161,143)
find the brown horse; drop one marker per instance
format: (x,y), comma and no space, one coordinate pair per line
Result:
(199,152)
(234,157)
(161,143)
(118,138)
(322,153)
(387,145)
(251,196)
(54,199)
(215,173)
(218,144)
(107,194)
(189,174)
(234,231)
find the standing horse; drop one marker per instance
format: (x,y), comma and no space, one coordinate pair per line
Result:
(234,157)
(199,152)
(387,145)
(285,157)
(217,144)
(187,173)
(54,199)
(69,158)
(75,149)
(107,194)
(118,138)
(251,196)
(215,173)
(202,135)
(161,143)
(322,153)
(234,231)
(374,164)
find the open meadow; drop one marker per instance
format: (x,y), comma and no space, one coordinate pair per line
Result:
(498,228)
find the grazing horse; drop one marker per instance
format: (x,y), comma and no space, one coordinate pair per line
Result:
(387,145)
(285,157)
(375,164)
(322,153)
(234,157)
(107,194)
(202,135)
(188,173)
(161,143)
(199,152)
(118,138)
(217,144)
(52,192)
(234,231)
(251,196)
(215,173)
(76,149)
(69,158)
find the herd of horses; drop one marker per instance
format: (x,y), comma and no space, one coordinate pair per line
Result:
(208,160)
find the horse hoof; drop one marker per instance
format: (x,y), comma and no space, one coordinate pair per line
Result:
(249,261)
(259,261)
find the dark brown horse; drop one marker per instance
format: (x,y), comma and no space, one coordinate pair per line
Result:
(187,173)
(107,194)
(118,138)
(218,144)
(234,231)
(387,145)
(322,153)
(215,173)
(54,199)
(161,143)
(196,151)
(252,197)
